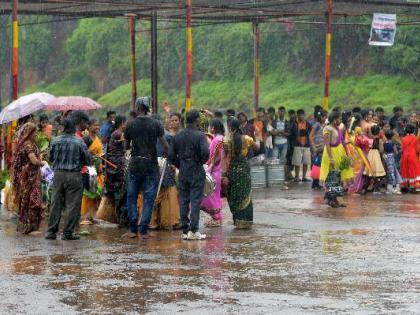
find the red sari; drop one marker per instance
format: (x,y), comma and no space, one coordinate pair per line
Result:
(410,165)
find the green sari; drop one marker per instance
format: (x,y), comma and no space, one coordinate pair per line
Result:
(239,192)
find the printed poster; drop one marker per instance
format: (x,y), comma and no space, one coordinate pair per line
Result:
(383,29)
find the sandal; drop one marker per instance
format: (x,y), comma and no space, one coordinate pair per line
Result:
(86,222)
(213,223)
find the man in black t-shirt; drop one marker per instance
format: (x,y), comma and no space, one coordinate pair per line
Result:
(141,136)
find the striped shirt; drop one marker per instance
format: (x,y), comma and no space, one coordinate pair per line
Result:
(68,153)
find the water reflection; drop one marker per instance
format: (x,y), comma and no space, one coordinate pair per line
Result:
(299,260)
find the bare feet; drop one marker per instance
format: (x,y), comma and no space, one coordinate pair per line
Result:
(130,235)
(35,233)
(148,235)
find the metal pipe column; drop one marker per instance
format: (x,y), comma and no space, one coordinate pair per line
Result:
(189,57)
(328,56)
(154,62)
(132,26)
(256,29)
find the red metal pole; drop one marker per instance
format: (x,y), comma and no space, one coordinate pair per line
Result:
(132,22)
(154,62)
(256,67)
(15,79)
(189,58)
(328,56)
(15,51)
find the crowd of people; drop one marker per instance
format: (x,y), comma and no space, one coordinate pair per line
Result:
(144,172)
(371,152)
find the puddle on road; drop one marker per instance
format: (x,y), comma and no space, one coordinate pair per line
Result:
(323,261)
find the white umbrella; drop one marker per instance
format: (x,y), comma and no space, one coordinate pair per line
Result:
(24,106)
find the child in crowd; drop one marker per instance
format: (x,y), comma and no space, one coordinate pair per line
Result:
(316,138)
(390,151)
(376,173)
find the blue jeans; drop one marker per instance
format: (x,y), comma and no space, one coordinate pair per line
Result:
(268,153)
(281,150)
(148,183)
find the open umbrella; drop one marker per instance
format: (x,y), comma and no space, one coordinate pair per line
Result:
(24,106)
(66,103)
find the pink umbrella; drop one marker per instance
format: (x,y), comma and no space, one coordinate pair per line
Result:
(65,103)
(24,106)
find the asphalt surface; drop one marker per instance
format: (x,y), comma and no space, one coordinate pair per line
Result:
(300,258)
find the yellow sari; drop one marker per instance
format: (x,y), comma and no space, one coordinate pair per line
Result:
(338,153)
(90,201)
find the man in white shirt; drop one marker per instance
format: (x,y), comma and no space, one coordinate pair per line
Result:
(280,133)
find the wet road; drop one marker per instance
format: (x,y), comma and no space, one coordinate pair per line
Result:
(300,258)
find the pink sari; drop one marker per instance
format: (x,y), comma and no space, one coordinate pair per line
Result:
(213,204)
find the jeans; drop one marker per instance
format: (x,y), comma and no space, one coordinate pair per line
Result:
(148,183)
(281,152)
(191,192)
(268,153)
(66,194)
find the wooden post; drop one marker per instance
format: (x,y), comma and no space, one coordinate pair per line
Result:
(132,25)
(154,62)
(189,58)
(328,55)
(256,29)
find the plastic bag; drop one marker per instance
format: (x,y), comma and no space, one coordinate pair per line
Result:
(47,174)
(333,183)
(90,179)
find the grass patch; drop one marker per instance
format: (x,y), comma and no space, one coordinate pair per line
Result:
(276,89)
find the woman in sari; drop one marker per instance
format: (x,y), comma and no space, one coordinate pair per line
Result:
(114,188)
(166,213)
(334,151)
(27,181)
(10,156)
(334,154)
(358,157)
(237,175)
(90,200)
(213,204)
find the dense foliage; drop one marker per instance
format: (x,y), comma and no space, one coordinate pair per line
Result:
(91,57)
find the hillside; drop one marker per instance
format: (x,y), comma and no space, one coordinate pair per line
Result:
(91,57)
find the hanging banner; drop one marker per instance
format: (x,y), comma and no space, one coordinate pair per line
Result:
(383,29)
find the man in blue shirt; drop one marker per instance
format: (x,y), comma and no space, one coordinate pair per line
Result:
(106,128)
